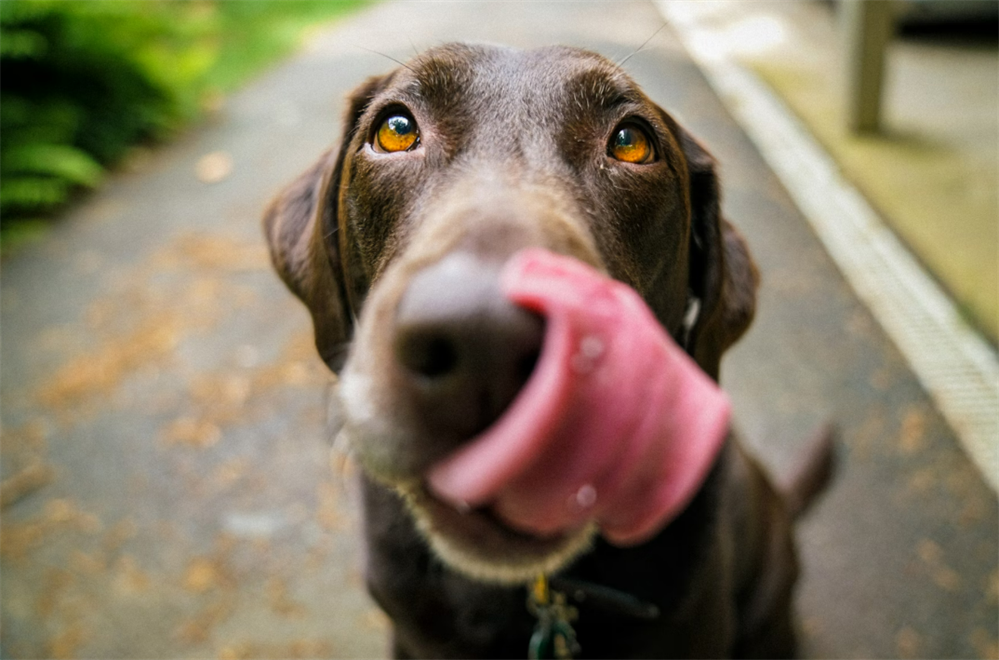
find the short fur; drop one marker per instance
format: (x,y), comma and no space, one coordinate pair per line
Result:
(513,153)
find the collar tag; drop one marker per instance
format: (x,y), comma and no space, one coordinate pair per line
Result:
(554,636)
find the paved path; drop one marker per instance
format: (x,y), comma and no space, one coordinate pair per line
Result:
(164,412)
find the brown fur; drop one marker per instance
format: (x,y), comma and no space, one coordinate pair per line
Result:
(513,154)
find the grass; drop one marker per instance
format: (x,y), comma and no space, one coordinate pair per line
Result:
(252,34)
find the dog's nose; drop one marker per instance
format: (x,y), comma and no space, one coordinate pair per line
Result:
(465,351)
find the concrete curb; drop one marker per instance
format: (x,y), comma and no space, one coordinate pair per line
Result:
(958,369)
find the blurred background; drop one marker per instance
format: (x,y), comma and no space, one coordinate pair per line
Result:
(168,488)
(89,86)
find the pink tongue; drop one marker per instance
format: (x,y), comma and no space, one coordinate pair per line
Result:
(617,424)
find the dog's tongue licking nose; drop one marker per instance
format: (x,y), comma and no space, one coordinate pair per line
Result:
(616,424)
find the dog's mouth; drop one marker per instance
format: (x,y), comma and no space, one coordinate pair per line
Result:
(616,426)
(479,543)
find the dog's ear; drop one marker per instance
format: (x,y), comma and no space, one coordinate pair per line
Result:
(723,278)
(302,225)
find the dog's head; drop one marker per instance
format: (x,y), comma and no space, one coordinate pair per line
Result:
(447,167)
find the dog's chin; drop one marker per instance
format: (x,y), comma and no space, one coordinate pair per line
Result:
(479,545)
(474,542)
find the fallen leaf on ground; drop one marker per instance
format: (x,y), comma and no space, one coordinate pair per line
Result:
(214,167)
(25,482)
(201,575)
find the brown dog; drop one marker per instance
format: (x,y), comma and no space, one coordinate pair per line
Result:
(447,167)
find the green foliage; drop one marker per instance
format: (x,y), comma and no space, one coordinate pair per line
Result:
(77,89)
(82,80)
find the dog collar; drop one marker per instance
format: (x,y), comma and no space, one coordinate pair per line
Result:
(605,598)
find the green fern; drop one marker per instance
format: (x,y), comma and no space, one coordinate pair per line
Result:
(31,193)
(55,160)
(83,80)
(75,96)
(20,44)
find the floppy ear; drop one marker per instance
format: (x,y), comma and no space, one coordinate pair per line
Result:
(723,277)
(302,224)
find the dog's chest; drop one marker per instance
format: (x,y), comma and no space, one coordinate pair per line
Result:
(436,612)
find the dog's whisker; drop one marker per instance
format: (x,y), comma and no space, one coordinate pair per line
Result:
(386,56)
(644,44)
(334,416)
(340,460)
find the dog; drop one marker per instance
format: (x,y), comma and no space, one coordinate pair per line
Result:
(448,166)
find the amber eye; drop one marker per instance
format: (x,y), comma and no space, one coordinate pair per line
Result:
(397,133)
(631,144)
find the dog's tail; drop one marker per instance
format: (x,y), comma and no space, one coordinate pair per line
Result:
(802,486)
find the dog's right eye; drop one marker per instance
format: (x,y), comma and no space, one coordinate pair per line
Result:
(631,144)
(398,132)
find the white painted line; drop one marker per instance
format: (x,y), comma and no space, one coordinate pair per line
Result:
(953,363)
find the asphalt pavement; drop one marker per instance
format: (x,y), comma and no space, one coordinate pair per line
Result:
(168,487)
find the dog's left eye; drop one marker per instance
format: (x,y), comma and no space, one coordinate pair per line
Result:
(398,132)
(630,143)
